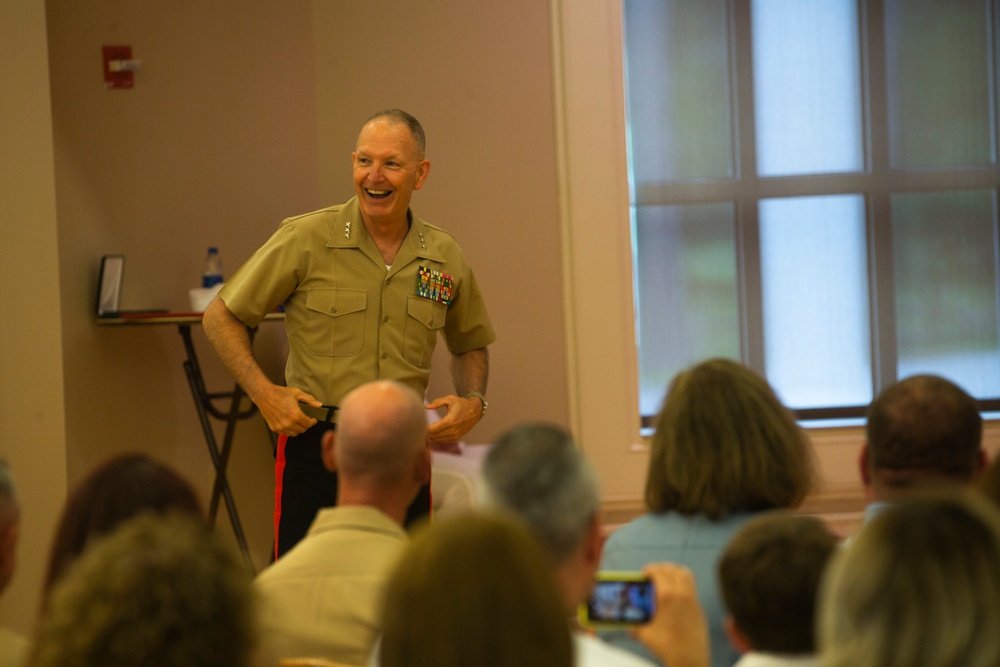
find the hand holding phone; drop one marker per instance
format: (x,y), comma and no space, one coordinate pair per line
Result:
(619,599)
(678,632)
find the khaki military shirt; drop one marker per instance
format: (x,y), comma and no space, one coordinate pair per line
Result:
(325,596)
(350,320)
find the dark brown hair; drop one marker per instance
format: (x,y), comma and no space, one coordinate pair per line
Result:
(769,576)
(117,490)
(924,427)
(475,590)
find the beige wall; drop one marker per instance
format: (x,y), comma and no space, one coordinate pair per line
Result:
(32,438)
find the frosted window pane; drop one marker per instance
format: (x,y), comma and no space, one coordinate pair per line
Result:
(815,299)
(807,90)
(686,287)
(938,62)
(678,90)
(946,297)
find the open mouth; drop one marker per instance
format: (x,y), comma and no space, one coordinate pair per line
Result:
(378,194)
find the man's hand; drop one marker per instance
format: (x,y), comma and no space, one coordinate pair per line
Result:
(280,408)
(462,415)
(277,404)
(678,633)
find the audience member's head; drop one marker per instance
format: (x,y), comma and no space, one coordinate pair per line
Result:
(476,589)
(10,519)
(537,473)
(724,443)
(117,490)
(158,591)
(379,449)
(989,482)
(918,587)
(769,576)
(921,429)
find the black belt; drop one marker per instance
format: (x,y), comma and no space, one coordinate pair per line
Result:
(326,413)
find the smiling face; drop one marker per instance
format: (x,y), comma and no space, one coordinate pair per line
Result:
(388,167)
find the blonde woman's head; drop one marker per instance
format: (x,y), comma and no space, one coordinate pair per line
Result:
(918,587)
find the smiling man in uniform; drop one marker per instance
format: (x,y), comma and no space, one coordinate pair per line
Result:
(367,288)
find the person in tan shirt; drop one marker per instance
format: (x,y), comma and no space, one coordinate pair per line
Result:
(324,597)
(367,288)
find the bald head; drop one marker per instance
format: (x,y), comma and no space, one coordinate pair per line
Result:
(382,425)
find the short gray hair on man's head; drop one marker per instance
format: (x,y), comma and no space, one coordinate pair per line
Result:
(536,472)
(404,118)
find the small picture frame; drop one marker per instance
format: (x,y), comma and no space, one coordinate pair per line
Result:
(109,290)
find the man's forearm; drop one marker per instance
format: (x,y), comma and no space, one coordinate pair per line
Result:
(229,336)
(470,371)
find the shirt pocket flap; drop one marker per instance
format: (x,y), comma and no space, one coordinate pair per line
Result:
(336,302)
(429,313)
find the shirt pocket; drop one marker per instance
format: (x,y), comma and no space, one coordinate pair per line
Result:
(335,321)
(424,319)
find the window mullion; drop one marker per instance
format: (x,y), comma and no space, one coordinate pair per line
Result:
(885,356)
(747,225)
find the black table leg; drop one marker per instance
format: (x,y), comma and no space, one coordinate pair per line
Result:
(220,456)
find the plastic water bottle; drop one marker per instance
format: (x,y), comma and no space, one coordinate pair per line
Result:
(212,273)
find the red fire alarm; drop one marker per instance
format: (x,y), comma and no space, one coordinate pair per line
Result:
(119,67)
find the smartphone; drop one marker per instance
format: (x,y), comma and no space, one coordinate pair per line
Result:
(619,599)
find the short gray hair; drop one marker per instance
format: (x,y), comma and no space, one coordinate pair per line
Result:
(404,118)
(536,472)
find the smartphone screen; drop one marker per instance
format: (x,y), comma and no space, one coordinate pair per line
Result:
(619,598)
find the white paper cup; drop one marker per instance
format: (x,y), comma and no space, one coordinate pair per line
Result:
(202,296)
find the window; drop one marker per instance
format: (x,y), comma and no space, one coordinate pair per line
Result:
(814,192)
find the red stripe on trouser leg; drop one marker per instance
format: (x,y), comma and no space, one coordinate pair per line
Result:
(279,474)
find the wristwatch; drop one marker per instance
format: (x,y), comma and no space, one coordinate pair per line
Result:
(481,398)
